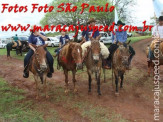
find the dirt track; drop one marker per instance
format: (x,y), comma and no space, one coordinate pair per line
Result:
(134,103)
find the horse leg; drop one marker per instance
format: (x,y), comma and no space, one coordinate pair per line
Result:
(116,83)
(122,77)
(104,75)
(74,80)
(66,80)
(149,69)
(45,86)
(21,50)
(37,89)
(98,83)
(89,81)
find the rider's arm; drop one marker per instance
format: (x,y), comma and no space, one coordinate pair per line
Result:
(43,36)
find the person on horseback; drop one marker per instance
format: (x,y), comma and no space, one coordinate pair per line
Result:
(64,39)
(157,34)
(38,39)
(87,34)
(120,36)
(15,38)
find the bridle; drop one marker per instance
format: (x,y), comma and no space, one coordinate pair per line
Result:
(37,66)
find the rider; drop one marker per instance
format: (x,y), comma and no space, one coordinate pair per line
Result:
(64,38)
(15,37)
(86,34)
(120,36)
(156,33)
(37,38)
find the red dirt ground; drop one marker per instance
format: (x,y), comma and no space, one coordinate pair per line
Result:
(135,103)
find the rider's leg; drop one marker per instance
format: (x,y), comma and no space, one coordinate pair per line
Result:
(50,62)
(112,49)
(26,63)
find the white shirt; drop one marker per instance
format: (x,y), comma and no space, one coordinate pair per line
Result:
(158,31)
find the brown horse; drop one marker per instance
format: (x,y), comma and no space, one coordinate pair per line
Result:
(70,58)
(39,67)
(154,45)
(93,62)
(120,63)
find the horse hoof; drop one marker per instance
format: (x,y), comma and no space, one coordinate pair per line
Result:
(75,90)
(116,94)
(66,91)
(99,94)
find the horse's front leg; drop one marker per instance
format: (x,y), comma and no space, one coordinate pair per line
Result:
(116,83)
(37,89)
(122,77)
(104,75)
(66,80)
(89,80)
(45,85)
(74,80)
(21,51)
(98,83)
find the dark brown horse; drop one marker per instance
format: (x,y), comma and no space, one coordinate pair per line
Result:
(120,63)
(70,58)
(39,67)
(93,62)
(14,45)
(158,46)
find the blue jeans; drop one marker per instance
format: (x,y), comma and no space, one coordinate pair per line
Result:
(150,54)
(48,56)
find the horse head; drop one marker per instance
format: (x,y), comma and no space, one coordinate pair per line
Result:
(124,53)
(95,49)
(76,54)
(40,57)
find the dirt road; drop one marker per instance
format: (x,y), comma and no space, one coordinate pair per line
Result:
(135,102)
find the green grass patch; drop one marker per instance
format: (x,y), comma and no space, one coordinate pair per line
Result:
(11,107)
(135,39)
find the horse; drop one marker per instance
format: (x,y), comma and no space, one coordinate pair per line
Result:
(39,67)
(120,62)
(153,46)
(14,45)
(70,59)
(93,62)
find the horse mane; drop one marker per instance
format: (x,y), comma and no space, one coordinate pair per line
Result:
(67,51)
(85,46)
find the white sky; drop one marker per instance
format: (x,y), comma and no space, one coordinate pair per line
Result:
(143,11)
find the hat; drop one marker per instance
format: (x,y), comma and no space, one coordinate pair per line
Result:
(91,20)
(120,23)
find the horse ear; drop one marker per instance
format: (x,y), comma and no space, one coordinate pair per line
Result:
(119,43)
(91,38)
(82,42)
(98,38)
(128,42)
(45,45)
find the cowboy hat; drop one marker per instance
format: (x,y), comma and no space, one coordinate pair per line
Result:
(120,23)
(91,20)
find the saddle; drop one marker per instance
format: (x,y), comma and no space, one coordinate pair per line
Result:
(16,43)
(152,47)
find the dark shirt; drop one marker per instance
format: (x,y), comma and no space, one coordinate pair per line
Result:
(88,32)
(36,40)
(63,39)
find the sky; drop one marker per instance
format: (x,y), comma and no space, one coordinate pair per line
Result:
(143,10)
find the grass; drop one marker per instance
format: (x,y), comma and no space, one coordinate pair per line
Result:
(11,107)
(135,39)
